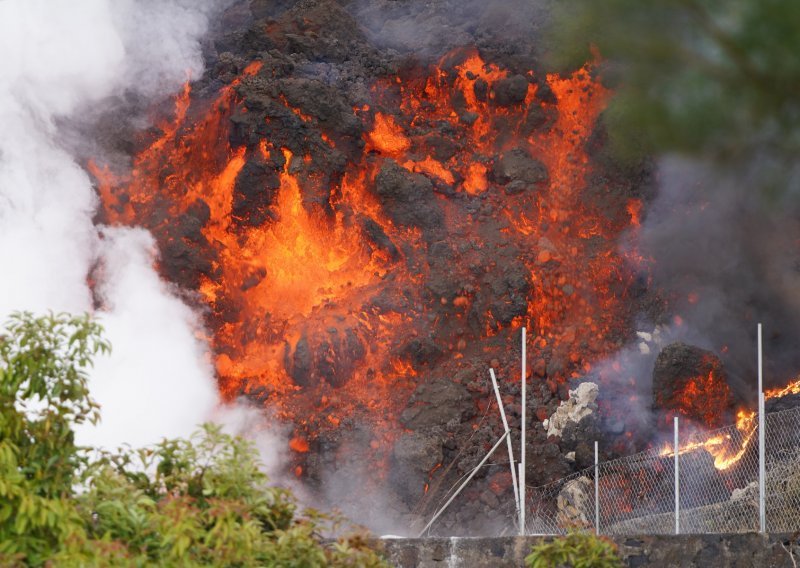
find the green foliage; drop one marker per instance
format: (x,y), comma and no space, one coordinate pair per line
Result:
(578,550)
(198,502)
(710,77)
(43,392)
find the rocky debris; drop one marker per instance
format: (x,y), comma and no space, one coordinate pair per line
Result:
(510,91)
(545,463)
(581,404)
(786,402)
(575,503)
(436,403)
(749,492)
(409,198)
(649,341)
(414,456)
(518,167)
(323,62)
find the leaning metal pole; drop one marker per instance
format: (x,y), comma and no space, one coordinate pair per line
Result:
(511,462)
(677,482)
(463,485)
(762,467)
(522,444)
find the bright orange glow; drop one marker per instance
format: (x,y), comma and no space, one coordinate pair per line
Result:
(387,137)
(308,307)
(791,388)
(727,453)
(704,398)
(299,444)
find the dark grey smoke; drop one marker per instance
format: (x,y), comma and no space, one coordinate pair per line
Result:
(728,254)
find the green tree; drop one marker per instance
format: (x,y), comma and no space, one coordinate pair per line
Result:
(43,394)
(711,78)
(198,502)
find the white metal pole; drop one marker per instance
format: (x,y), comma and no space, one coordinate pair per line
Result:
(463,485)
(512,464)
(596,490)
(762,466)
(521,500)
(522,443)
(677,482)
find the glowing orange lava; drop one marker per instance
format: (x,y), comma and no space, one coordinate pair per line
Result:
(310,307)
(726,450)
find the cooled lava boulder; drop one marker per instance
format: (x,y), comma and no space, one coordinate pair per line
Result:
(691,382)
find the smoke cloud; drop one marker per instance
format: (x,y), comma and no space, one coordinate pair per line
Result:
(431,29)
(727,254)
(60,60)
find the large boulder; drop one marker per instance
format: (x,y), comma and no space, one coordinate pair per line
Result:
(691,382)
(575,503)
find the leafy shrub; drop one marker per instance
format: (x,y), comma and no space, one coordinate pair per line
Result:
(577,550)
(198,502)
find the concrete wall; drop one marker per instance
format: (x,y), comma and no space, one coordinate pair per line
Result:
(685,551)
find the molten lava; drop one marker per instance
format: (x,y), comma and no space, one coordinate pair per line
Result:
(315,290)
(706,398)
(726,448)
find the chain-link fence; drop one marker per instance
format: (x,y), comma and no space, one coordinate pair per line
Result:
(717,489)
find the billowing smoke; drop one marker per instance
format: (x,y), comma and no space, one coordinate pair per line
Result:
(157,382)
(431,29)
(727,254)
(60,60)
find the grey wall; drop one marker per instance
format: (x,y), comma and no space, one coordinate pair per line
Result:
(685,551)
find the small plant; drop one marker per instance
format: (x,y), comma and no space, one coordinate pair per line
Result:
(576,550)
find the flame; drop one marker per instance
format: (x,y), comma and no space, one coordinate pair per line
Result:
(791,388)
(725,450)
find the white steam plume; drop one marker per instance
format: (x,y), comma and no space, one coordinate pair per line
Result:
(61,57)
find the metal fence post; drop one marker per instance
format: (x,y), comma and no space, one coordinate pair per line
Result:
(762,467)
(522,441)
(677,482)
(596,490)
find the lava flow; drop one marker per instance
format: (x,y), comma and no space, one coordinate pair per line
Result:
(727,448)
(338,269)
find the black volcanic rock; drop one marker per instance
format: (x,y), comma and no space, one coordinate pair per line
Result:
(408,198)
(415,455)
(436,403)
(518,166)
(511,91)
(324,63)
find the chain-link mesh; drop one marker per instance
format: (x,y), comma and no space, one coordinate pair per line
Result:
(718,486)
(568,502)
(782,484)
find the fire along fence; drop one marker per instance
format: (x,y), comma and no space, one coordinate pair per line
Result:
(712,485)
